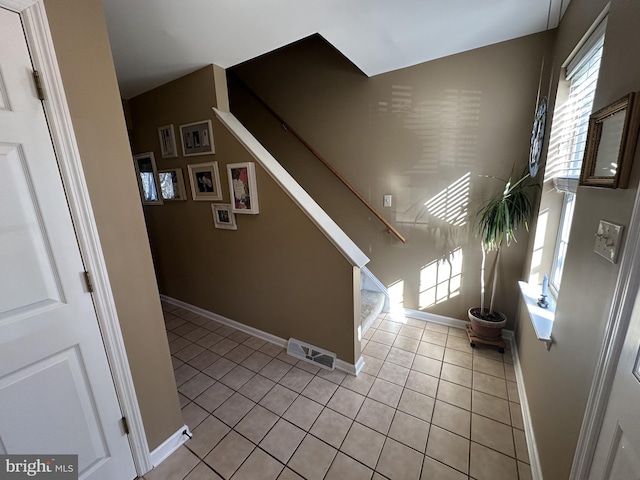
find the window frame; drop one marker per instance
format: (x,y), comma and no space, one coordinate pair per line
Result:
(568,202)
(566,184)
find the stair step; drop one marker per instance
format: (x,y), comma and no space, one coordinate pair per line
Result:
(372,304)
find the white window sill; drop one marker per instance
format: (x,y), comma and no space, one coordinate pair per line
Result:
(541,318)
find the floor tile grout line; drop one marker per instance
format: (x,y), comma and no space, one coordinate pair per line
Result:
(201,460)
(471,414)
(307,432)
(326,406)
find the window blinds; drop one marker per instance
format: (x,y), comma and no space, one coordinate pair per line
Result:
(568,137)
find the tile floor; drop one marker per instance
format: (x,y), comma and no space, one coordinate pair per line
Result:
(426,406)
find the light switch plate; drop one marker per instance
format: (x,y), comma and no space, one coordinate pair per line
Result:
(387,201)
(608,240)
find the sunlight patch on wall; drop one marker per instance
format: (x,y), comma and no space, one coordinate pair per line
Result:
(401,99)
(445,130)
(441,280)
(538,247)
(451,204)
(396,300)
(448,129)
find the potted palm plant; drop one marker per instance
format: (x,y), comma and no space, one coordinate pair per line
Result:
(498,221)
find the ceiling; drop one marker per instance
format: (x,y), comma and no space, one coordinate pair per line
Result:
(156,41)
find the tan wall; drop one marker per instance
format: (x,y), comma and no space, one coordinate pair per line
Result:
(565,372)
(84,56)
(277,272)
(411,133)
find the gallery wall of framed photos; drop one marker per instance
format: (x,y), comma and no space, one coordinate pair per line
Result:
(178,163)
(220,250)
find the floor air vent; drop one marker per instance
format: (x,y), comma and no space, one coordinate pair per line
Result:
(309,353)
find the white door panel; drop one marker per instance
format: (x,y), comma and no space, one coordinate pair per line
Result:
(56,391)
(617,455)
(624,458)
(75,428)
(28,277)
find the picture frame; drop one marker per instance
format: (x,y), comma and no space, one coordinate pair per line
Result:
(611,143)
(197,138)
(205,181)
(243,188)
(171,183)
(147,175)
(167,136)
(223,217)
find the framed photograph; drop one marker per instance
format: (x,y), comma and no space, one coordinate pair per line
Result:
(167,136)
(223,217)
(243,187)
(205,181)
(611,144)
(172,184)
(197,138)
(147,174)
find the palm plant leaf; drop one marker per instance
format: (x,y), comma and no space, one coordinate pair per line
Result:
(500,218)
(502,215)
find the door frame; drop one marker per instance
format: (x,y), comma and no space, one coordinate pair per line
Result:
(44,59)
(624,298)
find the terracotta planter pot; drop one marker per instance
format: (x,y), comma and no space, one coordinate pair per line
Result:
(486,328)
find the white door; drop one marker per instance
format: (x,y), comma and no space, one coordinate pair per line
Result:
(617,455)
(56,390)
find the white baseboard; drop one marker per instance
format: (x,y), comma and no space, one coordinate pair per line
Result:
(532,446)
(267,337)
(359,365)
(350,368)
(433,318)
(170,445)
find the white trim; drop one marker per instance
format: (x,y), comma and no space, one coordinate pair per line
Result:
(588,39)
(280,342)
(371,281)
(17,5)
(374,280)
(170,445)
(307,204)
(358,366)
(532,446)
(624,296)
(433,318)
(541,318)
(62,133)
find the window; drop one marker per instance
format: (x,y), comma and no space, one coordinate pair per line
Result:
(563,239)
(569,135)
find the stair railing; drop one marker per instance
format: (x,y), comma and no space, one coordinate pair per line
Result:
(287,128)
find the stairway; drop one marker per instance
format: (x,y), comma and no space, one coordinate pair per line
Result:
(372,304)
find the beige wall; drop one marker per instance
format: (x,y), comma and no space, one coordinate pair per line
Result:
(566,371)
(411,133)
(84,56)
(277,272)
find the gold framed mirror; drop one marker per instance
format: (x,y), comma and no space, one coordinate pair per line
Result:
(611,144)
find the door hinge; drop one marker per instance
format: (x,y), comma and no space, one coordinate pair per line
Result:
(38,79)
(87,280)
(125,425)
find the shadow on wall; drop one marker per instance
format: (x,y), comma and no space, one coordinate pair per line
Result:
(447,129)
(423,134)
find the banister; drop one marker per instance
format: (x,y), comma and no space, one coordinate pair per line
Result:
(288,128)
